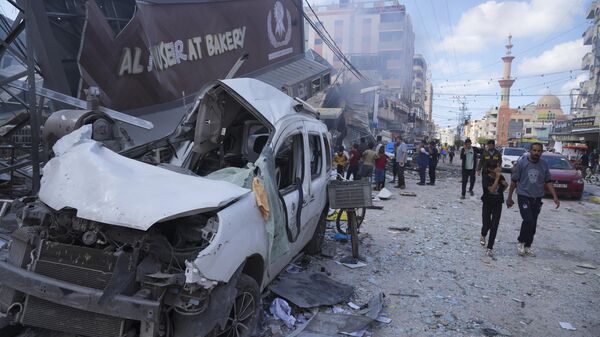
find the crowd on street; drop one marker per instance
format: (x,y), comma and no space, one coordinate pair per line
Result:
(530,178)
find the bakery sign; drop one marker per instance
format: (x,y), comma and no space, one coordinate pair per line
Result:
(168,50)
(164,55)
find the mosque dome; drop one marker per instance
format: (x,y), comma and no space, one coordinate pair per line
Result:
(549,101)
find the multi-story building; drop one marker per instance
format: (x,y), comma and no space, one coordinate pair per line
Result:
(429,100)
(446,135)
(475,130)
(491,123)
(419,86)
(377,37)
(586,103)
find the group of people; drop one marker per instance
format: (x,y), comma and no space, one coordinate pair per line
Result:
(366,160)
(530,175)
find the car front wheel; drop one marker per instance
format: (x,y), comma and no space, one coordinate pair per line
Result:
(245,312)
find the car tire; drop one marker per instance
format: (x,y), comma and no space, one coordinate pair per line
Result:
(313,247)
(245,310)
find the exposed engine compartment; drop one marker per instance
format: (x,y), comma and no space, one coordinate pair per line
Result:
(119,261)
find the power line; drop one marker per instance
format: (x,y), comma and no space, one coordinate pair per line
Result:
(452,32)
(519,53)
(521,77)
(497,95)
(426,32)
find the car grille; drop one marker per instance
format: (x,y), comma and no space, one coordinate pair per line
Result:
(43,314)
(561,184)
(81,266)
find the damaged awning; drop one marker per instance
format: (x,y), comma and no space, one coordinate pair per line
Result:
(293,74)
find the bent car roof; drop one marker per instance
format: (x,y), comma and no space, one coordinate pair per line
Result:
(267,100)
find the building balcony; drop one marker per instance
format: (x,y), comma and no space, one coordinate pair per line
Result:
(587,61)
(390,45)
(587,87)
(589,35)
(394,64)
(391,26)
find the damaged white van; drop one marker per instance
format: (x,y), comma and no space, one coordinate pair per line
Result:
(123,244)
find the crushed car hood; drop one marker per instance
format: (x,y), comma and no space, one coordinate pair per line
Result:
(106,187)
(270,103)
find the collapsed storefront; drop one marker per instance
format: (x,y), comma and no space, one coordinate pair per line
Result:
(150,58)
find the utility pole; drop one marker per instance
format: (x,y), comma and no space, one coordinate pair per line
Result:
(463,115)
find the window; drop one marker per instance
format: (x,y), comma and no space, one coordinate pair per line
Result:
(328,155)
(326,80)
(289,163)
(527,130)
(316,155)
(315,85)
(390,36)
(392,17)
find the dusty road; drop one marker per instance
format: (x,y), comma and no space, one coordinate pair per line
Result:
(438,282)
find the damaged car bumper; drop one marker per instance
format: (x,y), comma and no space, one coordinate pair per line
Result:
(78,297)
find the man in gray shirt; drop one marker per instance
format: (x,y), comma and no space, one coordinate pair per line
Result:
(529,176)
(401,153)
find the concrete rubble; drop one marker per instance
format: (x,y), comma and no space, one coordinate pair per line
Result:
(424,254)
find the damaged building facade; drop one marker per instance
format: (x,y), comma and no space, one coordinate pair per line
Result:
(138,232)
(378,39)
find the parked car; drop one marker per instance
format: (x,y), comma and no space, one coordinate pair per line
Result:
(567,180)
(510,155)
(118,244)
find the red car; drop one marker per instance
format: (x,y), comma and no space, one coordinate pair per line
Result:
(567,180)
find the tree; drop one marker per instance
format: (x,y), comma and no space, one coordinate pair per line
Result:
(482,140)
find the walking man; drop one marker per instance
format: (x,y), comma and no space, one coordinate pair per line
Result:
(468,155)
(489,154)
(422,161)
(401,153)
(529,176)
(451,153)
(433,161)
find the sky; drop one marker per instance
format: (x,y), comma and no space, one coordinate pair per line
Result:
(463,41)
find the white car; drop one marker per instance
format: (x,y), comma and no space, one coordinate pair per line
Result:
(509,156)
(119,245)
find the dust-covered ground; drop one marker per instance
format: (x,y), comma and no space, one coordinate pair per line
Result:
(437,280)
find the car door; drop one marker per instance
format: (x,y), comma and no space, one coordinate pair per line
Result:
(290,170)
(319,166)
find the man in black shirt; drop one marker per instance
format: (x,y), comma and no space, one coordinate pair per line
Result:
(489,154)
(584,163)
(494,185)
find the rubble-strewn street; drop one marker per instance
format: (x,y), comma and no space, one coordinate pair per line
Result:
(437,281)
(218,168)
